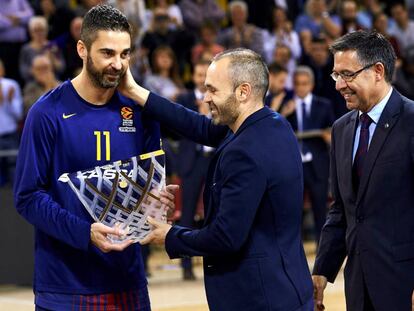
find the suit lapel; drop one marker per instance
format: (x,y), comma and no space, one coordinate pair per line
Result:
(212,169)
(385,124)
(210,178)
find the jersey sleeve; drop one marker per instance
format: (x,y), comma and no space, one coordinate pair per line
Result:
(32,189)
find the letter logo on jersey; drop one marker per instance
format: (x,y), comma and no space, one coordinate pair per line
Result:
(127,114)
(123,193)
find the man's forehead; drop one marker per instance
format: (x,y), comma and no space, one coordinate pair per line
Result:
(113,39)
(214,72)
(345,59)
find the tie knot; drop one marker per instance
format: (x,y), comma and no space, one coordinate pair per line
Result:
(365,120)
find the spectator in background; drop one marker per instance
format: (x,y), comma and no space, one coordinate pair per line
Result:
(308,112)
(44,79)
(404,75)
(403,29)
(348,12)
(282,32)
(380,24)
(260,13)
(14,16)
(68,47)
(367,11)
(316,22)
(164,79)
(39,44)
(11,112)
(242,34)
(208,43)
(58,18)
(135,11)
(320,61)
(293,8)
(173,10)
(283,56)
(277,93)
(197,12)
(180,40)
(193,159)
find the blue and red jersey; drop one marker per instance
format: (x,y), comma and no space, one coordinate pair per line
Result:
(64,133)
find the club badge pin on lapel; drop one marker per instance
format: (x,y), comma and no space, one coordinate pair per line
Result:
(386,125)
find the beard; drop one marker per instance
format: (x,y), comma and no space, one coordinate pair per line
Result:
(226,113)
(100,79)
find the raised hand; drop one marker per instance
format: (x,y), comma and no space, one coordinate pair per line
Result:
(129,88)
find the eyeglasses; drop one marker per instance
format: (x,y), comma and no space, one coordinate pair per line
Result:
(348,77)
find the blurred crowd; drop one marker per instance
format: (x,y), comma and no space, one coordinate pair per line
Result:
(173,42)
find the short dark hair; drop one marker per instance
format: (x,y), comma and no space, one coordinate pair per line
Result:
(275,68)
(202,62)
(102,17)
(371,47)
(246,66)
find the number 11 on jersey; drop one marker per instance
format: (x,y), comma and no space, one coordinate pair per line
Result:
(98,135)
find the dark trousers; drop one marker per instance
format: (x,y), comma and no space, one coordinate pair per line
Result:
(318,192)
(192,186)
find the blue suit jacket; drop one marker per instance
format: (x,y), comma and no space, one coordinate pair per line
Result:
(375,227)
(251,239)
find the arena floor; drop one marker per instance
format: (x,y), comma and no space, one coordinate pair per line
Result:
(167,290)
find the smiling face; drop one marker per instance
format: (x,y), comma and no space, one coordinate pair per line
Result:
(362,92)
(220,94)
(107,59)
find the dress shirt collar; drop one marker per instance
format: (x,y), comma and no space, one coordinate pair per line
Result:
(376,111)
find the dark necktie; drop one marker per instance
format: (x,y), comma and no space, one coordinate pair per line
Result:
(362,150)
(304,117)
(305,125)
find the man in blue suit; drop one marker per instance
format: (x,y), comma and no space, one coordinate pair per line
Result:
(250,241)
(371,221)
(307,112)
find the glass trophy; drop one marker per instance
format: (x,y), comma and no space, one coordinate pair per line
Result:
(123,193)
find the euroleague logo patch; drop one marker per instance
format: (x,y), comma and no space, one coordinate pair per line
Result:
(127,114)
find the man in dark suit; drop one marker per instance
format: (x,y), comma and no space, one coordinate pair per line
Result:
(193,159)
(307,112)
(371,221)
(250,240)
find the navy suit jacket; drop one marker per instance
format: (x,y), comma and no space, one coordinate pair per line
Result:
(375,227)
(251,238)
(321,117)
